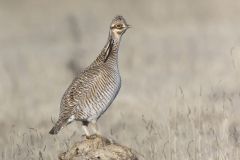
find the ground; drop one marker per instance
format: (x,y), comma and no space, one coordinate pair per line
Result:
(180,69)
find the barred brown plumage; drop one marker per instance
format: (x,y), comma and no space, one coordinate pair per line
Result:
(93,90)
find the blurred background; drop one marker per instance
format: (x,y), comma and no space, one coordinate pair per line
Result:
(180,69)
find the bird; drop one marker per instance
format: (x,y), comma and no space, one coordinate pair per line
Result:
(94,89)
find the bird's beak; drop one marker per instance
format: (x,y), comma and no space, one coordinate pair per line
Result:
(129,26)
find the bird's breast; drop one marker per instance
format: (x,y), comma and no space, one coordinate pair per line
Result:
(104,94)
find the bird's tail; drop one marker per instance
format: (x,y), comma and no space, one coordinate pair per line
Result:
(56,128)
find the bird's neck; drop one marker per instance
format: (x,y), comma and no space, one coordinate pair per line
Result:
(109,53)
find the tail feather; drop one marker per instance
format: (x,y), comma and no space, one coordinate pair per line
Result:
(56,127)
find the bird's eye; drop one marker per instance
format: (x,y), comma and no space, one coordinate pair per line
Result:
(119,26)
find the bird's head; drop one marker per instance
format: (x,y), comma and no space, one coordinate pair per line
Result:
(118,26)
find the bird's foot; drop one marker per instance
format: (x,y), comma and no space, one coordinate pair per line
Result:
(84,136)
(111,141)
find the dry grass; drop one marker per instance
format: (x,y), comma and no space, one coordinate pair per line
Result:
(180,67)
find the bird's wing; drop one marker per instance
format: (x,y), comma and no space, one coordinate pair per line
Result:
(80,89)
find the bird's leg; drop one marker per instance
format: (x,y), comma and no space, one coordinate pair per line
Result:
(95,127)
(85,128)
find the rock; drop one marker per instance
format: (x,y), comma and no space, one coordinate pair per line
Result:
(96,147)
